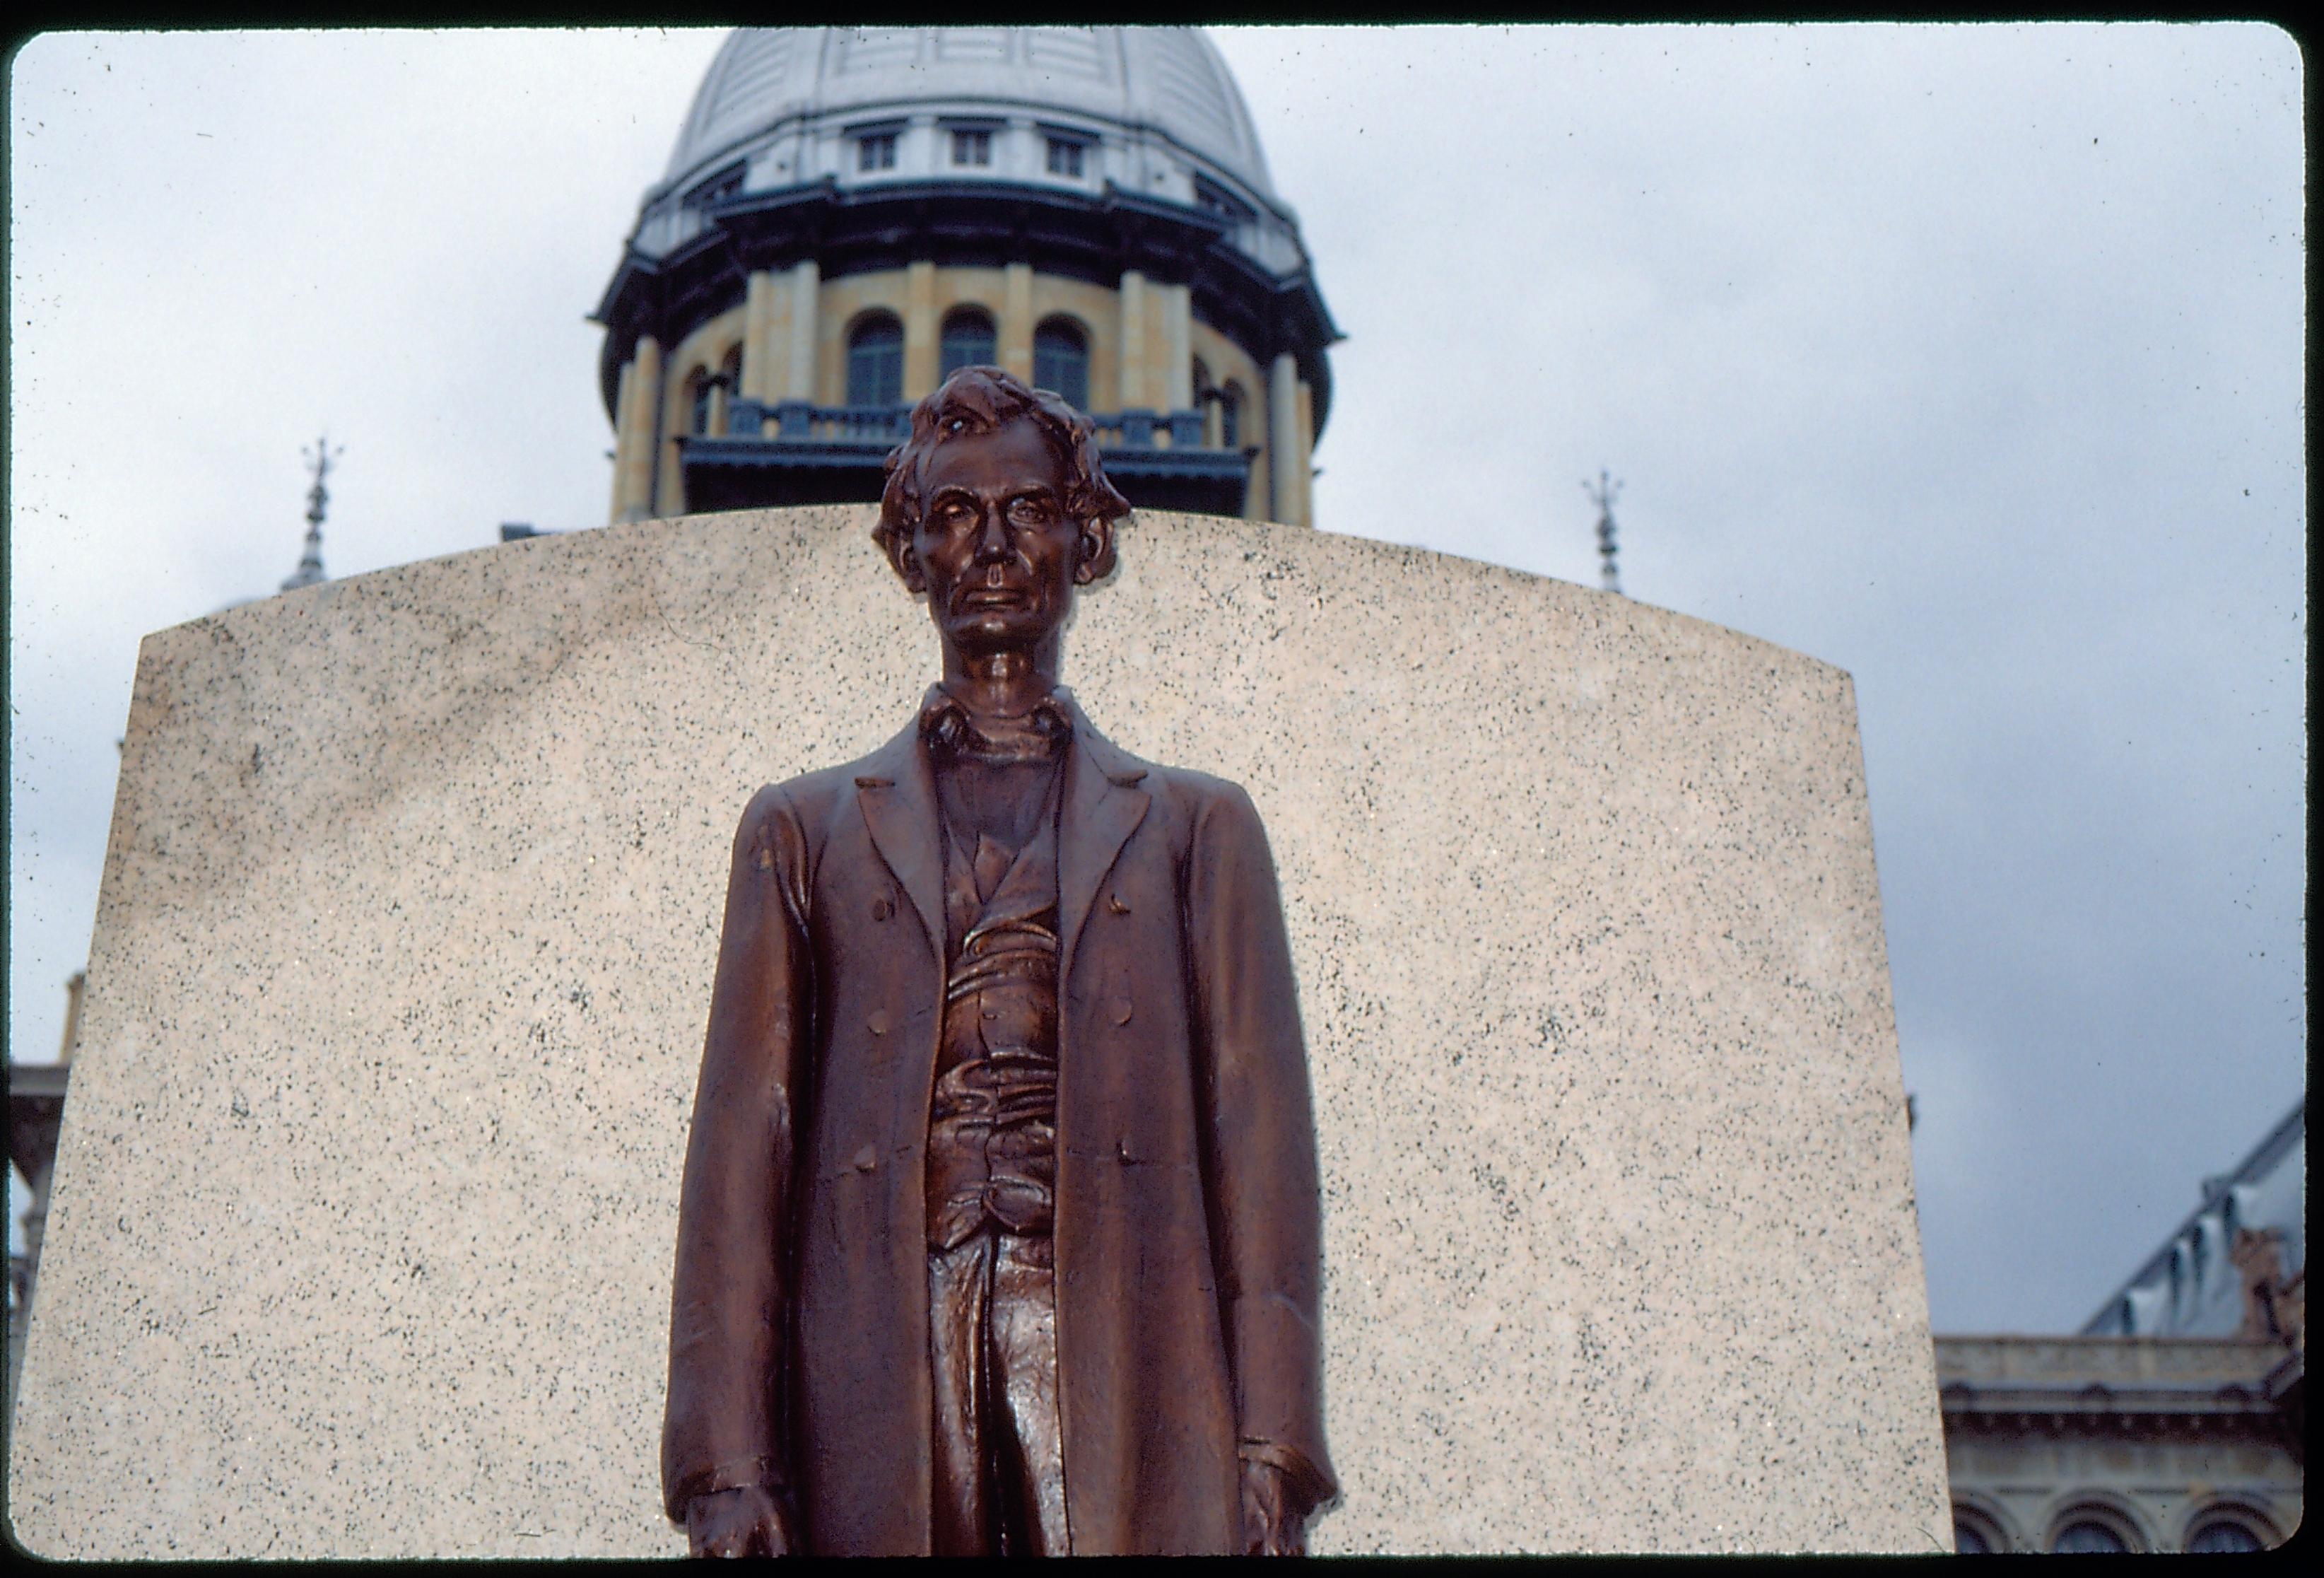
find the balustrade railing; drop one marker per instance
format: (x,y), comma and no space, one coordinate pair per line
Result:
(796,421)
(800,421)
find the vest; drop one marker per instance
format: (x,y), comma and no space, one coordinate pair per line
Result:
(993,1123)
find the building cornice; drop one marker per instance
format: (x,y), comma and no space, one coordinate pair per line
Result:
(2142,1384)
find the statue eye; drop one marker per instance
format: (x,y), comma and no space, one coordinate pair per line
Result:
(1030,509)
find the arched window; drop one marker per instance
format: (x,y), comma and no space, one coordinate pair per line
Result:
(968,341)
(1230,416)
(2088,1536)
(697,401)
(1976,1531)
(725,388)
(875,361)
(1206,401)
(2223,1535)
(1061,362)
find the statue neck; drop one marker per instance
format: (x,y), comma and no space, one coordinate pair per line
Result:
(1002,684)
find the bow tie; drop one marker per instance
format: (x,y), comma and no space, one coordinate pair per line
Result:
(946,726)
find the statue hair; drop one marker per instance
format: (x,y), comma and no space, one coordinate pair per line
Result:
(982,400)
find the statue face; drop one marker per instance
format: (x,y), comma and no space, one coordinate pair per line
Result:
(995,550)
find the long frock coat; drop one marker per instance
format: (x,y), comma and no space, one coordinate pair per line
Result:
(1186,1212)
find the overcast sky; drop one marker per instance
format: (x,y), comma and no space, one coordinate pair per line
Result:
(1967,359)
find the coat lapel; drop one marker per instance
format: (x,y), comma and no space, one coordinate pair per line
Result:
(1103,807)
(899,797)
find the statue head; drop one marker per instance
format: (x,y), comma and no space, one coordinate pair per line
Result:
(997,507)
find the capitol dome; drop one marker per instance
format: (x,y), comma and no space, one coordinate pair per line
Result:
(849,213)
(1168,81)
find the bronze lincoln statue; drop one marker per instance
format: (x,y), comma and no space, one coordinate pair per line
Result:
(1000,1231)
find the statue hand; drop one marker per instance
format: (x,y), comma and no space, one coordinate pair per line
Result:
(1272,1523)
(747,1520)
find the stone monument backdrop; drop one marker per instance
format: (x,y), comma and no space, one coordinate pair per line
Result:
(361,1227)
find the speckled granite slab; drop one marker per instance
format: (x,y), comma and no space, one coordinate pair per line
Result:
(363,1217)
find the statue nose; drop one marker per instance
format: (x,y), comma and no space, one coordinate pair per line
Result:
(992,539)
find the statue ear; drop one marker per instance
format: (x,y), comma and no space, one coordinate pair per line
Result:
(905,562)
(1096,552)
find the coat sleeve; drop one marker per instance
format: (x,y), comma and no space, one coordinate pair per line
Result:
(1262,1193)
(728,1299)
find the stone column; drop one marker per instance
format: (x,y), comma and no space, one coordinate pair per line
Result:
(1133,395)
(758,309)
(806,277)
(1177,347)
(668,480)
(624,396)
(1015,329)
(920,347)
(640,445)
(1282,438)
(1303,429)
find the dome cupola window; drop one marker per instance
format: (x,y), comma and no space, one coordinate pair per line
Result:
(968,341)
(875,150)
(717,189)
(971,146)
(1066,156)
(875,361)
(1212,198)
(1061,362)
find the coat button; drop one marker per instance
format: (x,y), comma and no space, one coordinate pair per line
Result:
(1114,902)
(882,909)
(878,1022)
(1122,1010)
(866,1160)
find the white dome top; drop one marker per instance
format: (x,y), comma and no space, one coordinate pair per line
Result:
(1164,79)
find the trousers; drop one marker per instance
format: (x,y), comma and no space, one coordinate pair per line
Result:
(999,1456)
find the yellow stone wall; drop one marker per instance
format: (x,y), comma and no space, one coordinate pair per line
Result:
(1098,312)
(699,354)
(920,297)
(1228,363)
(844,301)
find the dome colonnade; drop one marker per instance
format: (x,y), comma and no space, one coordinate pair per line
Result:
(851,213)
